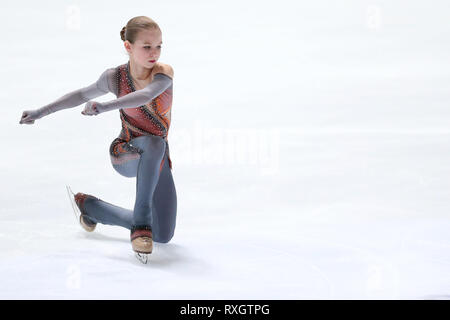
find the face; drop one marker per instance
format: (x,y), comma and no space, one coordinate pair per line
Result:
(147,47)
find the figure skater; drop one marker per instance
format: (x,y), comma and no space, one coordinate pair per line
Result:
(143,87)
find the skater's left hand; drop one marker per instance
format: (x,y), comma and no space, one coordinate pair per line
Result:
(91,108)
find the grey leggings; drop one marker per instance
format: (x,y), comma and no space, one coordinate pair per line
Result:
(156,199)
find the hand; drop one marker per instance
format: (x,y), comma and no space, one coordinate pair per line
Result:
(29,116)
(91,108)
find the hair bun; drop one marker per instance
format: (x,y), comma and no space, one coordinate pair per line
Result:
(122,33)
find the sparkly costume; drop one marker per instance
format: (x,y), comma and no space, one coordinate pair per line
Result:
(152,118)
(140,151)
(142,112)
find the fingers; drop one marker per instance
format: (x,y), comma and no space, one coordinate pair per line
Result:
(26,122)
(90,109)
(86,113)
(26,118)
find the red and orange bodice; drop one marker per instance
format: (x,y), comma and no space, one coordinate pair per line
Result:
(152,118)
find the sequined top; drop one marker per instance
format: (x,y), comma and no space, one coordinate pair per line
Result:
(152,118)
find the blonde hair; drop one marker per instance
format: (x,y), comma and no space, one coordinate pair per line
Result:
(136,24)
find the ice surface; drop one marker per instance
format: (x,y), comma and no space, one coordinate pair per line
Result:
(310,147)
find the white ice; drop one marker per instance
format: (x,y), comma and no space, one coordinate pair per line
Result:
(310,146)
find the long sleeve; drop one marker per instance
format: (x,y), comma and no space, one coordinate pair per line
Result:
(72,99)
(140,97)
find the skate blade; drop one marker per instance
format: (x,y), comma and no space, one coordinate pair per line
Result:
(75,208)
(142,257)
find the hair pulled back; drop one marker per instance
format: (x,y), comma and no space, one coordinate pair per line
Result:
(136,24)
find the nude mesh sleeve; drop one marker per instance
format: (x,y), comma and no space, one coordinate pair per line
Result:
(140,97)
(72,99)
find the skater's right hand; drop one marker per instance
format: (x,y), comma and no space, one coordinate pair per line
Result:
(91,108)
(29,116)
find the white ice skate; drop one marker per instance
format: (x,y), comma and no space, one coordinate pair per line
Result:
(142,242)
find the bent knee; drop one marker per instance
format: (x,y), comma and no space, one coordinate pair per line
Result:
(128,169)
(163,238)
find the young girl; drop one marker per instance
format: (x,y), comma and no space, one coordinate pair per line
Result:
(143,87)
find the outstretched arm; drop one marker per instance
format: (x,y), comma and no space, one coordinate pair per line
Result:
(72,99)
(77,97)
(134,99)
